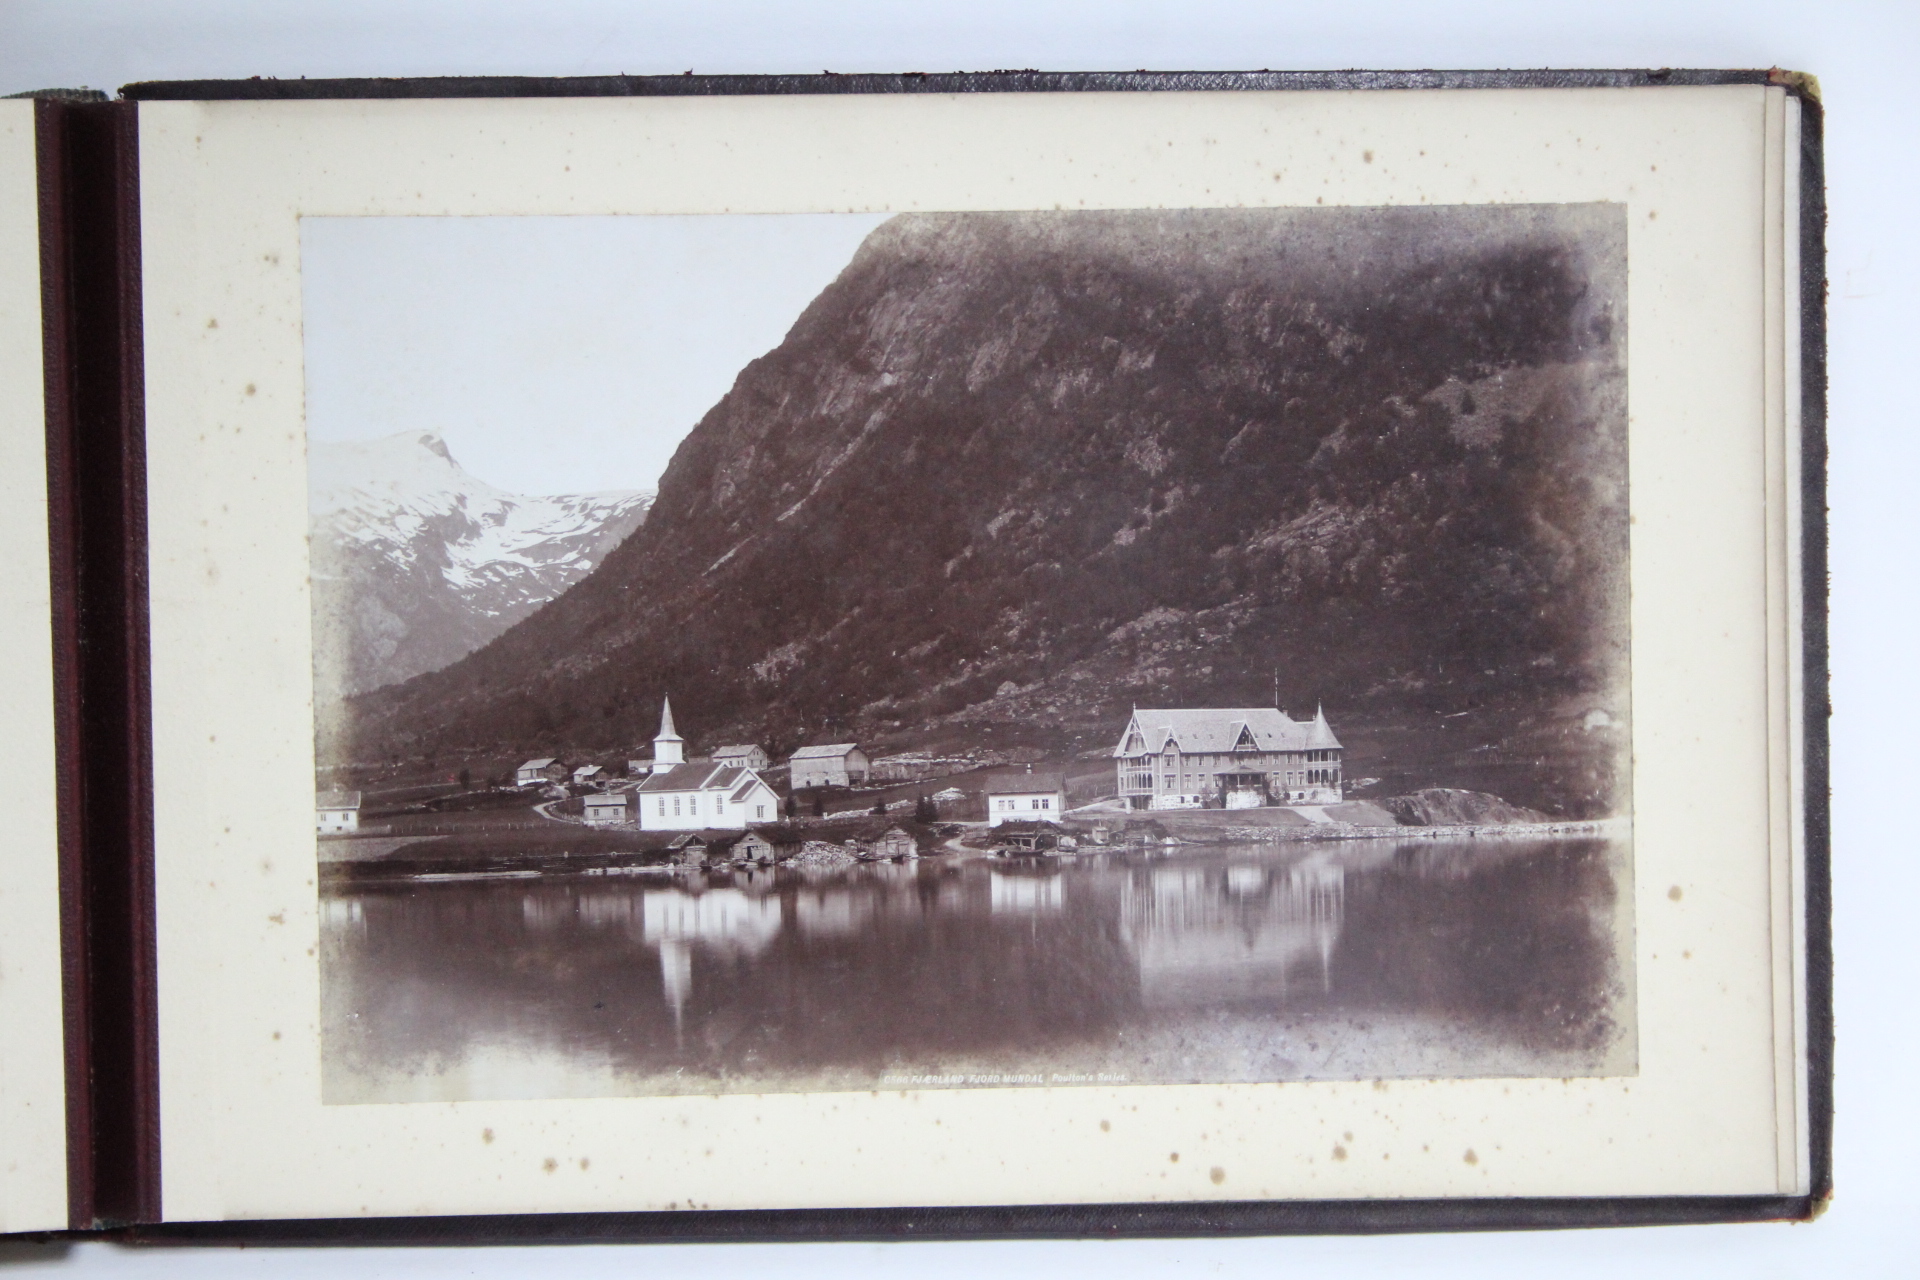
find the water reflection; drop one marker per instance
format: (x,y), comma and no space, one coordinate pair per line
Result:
(1198,964)
(1025,895)
(1208,935)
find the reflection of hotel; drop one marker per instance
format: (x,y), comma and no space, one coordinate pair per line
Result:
(1211,935)
(1230,758)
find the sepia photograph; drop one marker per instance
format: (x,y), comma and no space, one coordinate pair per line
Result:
(789,652)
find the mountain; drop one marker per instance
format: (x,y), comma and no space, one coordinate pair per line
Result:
(416,563)
(1011,473)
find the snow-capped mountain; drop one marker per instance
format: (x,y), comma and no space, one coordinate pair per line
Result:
(416,563)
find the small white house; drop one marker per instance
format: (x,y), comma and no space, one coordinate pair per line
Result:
(337,813)
(1029,795)
(836,764)
(588,773)
(608,809)
(742,755)
(538,772)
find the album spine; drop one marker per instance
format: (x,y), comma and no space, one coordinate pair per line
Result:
(88,176)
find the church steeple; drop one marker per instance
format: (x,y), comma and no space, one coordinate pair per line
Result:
(667,745)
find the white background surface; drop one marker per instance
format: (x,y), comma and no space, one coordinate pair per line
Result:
(1860,52)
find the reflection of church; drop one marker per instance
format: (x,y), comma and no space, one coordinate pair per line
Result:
(1226,758)
(1212,935)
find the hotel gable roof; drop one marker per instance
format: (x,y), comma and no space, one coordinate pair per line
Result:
(1222,730)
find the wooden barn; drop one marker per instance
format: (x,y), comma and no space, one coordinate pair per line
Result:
(835,764)
(538,772)
(608,809)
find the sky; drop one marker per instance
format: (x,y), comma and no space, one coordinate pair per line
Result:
(553,354)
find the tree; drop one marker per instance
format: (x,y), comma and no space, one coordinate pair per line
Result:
(819,805)
(466,779)
(793,807)
(880,807)
(925,811)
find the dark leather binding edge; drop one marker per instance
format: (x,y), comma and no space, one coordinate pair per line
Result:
(1098,1221)
(90,227)
(140,1192)
(1022,81)
(1817,706)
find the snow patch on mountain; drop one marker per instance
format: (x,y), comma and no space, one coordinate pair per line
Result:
(417,563)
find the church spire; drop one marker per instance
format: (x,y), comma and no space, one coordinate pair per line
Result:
(666,744)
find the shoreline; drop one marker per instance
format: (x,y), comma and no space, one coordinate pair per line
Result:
(382,867)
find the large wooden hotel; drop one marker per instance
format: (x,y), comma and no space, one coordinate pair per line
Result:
(1228,758)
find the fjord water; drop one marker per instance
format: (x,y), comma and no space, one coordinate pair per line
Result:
(1251,962)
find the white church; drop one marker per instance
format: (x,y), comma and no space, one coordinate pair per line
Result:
(678,796)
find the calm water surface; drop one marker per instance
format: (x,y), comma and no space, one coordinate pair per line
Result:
(1233,962)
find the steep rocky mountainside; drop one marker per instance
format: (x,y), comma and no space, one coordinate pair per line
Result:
(1023,470)
(416,563)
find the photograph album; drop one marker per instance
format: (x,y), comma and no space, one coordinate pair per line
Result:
(738,657)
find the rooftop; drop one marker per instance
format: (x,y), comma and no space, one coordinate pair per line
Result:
(698,776)
(1223,729)
(829,751)
(1021,781)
